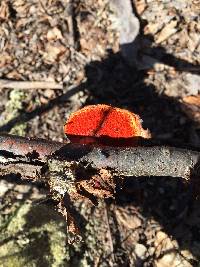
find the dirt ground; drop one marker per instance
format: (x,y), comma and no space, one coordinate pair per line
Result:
(153,221)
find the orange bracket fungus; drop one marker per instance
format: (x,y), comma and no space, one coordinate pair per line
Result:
(104,125)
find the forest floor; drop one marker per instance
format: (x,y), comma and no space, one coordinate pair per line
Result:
(152,221)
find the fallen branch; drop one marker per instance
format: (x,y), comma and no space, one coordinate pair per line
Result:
(26,85)
(27,157)
(75,171)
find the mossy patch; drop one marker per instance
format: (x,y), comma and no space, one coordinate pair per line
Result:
(34,237)
(14,108)
(94,243)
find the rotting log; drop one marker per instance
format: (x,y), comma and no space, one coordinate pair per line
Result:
(29,158)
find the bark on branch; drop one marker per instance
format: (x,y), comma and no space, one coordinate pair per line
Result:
(29,158)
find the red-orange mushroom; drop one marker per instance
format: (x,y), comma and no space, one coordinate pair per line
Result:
(103,124)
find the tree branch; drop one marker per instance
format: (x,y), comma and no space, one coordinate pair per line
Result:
(30,159)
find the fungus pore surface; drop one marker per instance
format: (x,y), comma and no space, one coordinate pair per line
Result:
(103,121)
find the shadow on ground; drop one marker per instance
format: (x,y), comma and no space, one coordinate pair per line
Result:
(113,81)
(172,203)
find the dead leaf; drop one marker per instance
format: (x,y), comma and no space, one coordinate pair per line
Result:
(191,106)
(192,100)
(140,6)
(167,31)
(152,28)
(170,255)
(48,93)
(128,218)
(5,59)
(163,243)
(53,52)
(172,259)
(194,40)
(14,75)
(4,11)
(54,34)
(167,253)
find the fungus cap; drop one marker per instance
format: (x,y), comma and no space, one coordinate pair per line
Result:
(103,121)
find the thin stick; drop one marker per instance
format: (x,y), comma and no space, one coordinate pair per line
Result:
(71,24)
(28,85)
(110,239)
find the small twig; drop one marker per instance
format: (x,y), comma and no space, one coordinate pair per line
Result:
(28,85)
(72,25)
(69,92)
(109,233)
